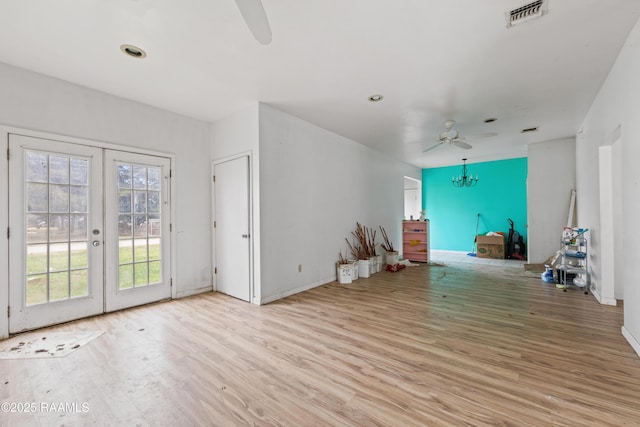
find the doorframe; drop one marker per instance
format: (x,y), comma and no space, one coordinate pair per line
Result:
(254,293)
(609,162)
(5,130)
(4,227)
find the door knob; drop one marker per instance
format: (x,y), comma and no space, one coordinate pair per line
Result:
(96,243)
(245,236)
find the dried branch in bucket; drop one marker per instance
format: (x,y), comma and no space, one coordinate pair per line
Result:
(354,249)
(360,236)
(387,245)
(372,241)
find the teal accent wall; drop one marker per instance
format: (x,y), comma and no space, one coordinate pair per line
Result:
(501,193)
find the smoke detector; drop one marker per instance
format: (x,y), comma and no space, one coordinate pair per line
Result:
(526,13)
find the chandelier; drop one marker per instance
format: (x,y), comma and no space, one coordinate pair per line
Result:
(464,180)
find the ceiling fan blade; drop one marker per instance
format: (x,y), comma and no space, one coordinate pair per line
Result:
(434,146)
(484,135)
(254,15)
(461,144)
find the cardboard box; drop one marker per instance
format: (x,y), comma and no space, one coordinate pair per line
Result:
(490,247)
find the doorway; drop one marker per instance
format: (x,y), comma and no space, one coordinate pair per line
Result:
(412,198)
(611,234)
(89,231)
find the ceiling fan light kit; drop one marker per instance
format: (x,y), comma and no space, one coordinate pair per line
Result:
(464,180)
(450,136)
(449,133)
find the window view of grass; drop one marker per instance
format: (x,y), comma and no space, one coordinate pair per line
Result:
(62,285)
(139,265)
(66,273)
(58,261)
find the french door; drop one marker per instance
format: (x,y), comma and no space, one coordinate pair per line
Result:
(137,223)
(63,201)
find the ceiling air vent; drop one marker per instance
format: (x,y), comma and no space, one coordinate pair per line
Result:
(526,13)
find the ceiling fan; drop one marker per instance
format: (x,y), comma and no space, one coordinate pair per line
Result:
(254,15)
(450,136)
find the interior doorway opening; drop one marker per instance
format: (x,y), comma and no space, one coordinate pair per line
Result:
(412,198)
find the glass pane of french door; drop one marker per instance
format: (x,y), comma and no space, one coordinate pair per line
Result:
(55,215)
(137,209)
(139,225)
(57,193)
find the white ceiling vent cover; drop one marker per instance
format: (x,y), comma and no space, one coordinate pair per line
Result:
(526,13)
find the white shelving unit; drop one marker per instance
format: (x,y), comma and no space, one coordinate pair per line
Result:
(573,267)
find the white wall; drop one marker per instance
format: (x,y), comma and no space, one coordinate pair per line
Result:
(36,102)
(551,177)
(314,186)
(232,136)
(615,112)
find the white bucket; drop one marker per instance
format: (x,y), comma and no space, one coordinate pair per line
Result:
(392,258)
(378,259)
(364,268)
(343,271)
(354,270)
(373,266)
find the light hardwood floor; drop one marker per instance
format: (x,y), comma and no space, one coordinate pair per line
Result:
(429,345)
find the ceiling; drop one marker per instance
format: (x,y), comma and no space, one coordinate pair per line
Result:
(431,60)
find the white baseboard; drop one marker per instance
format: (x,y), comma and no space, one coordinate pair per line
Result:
(601,300)
(189,292)
(631,340)
(275,297)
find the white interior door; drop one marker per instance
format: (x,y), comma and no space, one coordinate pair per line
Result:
(137,210)
(232,237)
(55,222)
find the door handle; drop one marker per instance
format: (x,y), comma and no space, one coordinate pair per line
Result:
(245,236)
(96,243)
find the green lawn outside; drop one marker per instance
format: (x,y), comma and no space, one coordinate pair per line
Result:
(67,277)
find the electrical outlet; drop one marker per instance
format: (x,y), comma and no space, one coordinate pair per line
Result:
(299,268)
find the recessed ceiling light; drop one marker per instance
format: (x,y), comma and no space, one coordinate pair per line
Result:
(490,120)
(376,98)
(535,129)
(133,51)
